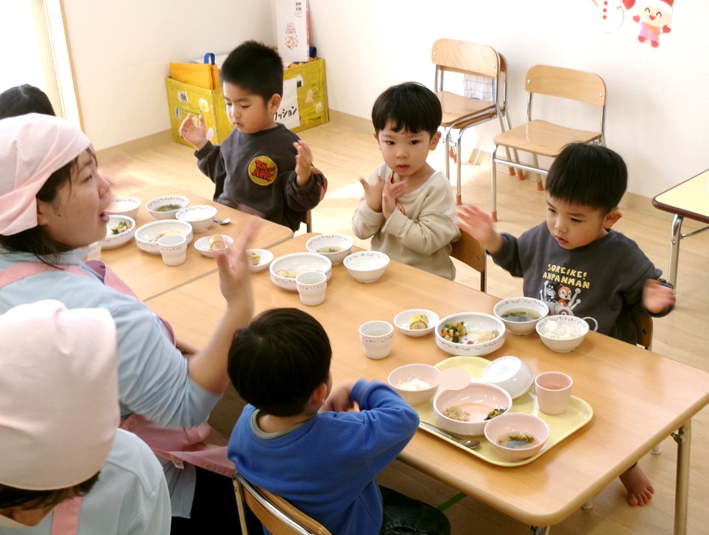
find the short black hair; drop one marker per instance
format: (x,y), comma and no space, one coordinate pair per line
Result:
(409,105)
(23,99)
(278,361)
(590,175)
(256,68)
(36,499)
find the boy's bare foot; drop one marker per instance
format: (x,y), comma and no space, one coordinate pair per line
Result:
(637,484)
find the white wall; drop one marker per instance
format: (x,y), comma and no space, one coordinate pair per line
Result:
(658,103)
(122,50)
(658,109)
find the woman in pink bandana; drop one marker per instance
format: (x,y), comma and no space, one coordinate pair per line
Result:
(52,206)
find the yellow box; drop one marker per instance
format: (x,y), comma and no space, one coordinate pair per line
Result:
(312,93)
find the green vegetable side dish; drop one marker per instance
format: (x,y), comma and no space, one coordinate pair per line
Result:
(453,332)
(121,227)
(168,207)
(494,412)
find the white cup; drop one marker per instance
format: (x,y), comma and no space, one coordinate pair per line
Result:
(376,337)
(173,249)
(311,287)
(553,392)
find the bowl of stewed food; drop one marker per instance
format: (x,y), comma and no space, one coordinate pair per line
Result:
(470,334)
(119,231)
(286,268)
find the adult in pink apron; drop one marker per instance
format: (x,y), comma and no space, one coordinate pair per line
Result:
(52,205)
(58,435)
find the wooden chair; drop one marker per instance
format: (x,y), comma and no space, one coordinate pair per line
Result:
(643,326)
(472,253)
(460,112)
(543,138)
(275,513)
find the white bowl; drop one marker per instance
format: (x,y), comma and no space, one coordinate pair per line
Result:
(200,216)
(403,319)
(366,266)
(202,244)
(510,373)
(296,263)
(322,244)
(147,236)
(265,258)
(410,382)
(562,333)
(112,241)
(477,399)
(475,323)
(153,205)
(517,423)
(523,313)
(127,206)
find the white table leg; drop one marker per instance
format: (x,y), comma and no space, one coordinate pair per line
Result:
(683,437)
(675,238)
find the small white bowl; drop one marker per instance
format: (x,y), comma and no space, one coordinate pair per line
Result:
(153,205)
(510,373)
(477,399)
(562,333)
(113,241)
(475,324)
(265,258)
(202,245)
(322,245)
(366,266)
(127,206)
(147,236)
(523,313)
(200,216)
(296,263)
(403,319)
(410,380)
(517,423)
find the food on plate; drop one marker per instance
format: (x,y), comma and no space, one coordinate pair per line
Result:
(122,226)
(456,413)
(516,441)
(216,243)
(413,384)
(520,315)
(418,322)
(485,336)
(168,233)
(561,330)
(168,207)
(255,258)
(494,412)
(288,273)
(454,332)
(330,249)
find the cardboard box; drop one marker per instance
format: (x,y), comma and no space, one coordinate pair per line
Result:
(304,103)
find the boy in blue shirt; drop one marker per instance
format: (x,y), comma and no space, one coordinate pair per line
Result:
(262,167)
(298,440)
(576,263)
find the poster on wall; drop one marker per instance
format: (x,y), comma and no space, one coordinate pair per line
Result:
(607,14)
(654,17)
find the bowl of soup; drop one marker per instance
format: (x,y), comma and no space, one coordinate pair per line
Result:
(166,207)
(200,216)
(334,246)
(467,411)
(516,436)
(521,314)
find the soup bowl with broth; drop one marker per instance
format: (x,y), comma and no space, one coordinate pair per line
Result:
(517,436)
(521,314)
(333,246)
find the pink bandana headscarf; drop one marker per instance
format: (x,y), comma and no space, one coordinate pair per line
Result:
(32,147)
(59,394)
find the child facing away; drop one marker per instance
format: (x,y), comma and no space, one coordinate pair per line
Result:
(408,208)
(298,440)
(262,167)
(576,263)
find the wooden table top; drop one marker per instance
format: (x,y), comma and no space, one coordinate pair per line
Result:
(638,397)
(147,274)
(687,199)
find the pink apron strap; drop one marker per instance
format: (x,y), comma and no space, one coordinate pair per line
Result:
(65,519)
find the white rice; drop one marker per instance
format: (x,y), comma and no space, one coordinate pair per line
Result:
(413,384)
(560,330)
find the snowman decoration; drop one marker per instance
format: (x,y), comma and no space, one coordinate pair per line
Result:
(608,14)
(654,17)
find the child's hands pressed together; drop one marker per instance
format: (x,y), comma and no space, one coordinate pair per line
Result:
(194,131)
(303,162)
(479,225)
(373,193)
(339,399)
(657,297)
(390,194)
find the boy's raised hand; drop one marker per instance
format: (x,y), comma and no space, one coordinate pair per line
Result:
(657,297)
(373,193)
(479,225)
(195,134)
(390,194)
(339,399)
(303,162)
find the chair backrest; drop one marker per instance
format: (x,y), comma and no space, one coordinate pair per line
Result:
(643,326)
(451,55)
(472,253)
(566,83)
(275,513)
